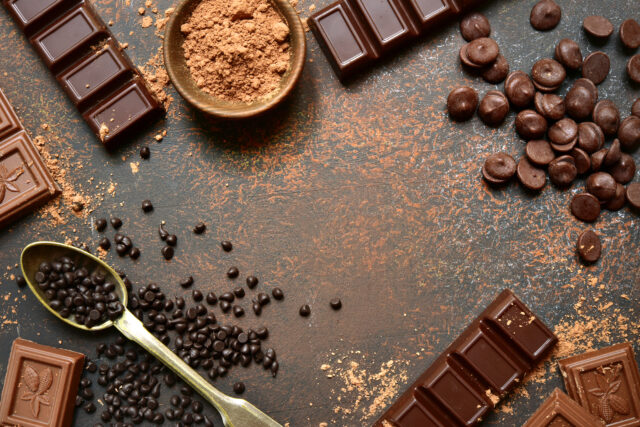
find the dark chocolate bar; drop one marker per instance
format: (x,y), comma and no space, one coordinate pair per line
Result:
(40,386)
(87,61)
(488,359)
(560,411)
(605,382)
(353,33)
(25,182)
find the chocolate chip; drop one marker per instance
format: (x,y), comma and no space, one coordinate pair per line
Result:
(597,26)
(633,68)
(187,282)
(238,311)
(172,240)
(162,231)
(618,201)
(582,160)
(21,282)
(493,108)
(613,154)
(550,106)
(633,195)
(530,176)
(238,292)
(596,67)
(462,103)
(539,152)
(589,246)
(545,15)
(579,102)
(585,207)
(562,171)
(624,171)
(104,243)
(116,222)
(590,137)
(167,252)
(548,74)
(277,293)
(635,108)
(100,224)
(607,116)
(497,71)
(226,245)
(475,26)
(602,185)
(483,51)
(630,34)
(519,89)
(499,168)
(197,295)
(147,206)
(335,303)
(305,310)
(597,159)
(199,228)
(233,272)
(530,125)
(629,133)
(563,131)
(263,299)
(134,253)
(568,54)
(252,282)
(238,388)
(145,152)
(466,62)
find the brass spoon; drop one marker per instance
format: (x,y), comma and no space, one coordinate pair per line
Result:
(234,412)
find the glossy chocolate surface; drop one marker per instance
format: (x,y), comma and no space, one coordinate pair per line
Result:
(31,15)
(488,359)
(40,386)
(560,411)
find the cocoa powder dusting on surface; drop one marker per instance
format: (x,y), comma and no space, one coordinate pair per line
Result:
(237,51)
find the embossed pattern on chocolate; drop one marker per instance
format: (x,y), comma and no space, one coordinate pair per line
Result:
(560,411)
(40,386)
(607,383)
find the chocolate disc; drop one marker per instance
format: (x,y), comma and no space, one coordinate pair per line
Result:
(562,171)
(585,207)
(607,116)
(579,102)
(483,51)
(475,26)
(493,108)
(625,170)
(563,131)
(633,68)
(462,103)
(530,125)
(496,72)
(597,26)
(464,58)
(530,176)
(490,179)
(613,155)
(633,194)
(549,105)
(539,152)
(545,15)
(568,54)
(589,85)
(548,73)
(596,67)
(618,200)
(519,89)
(589,246)
(582,160)
(590,137)
(602,185)
(630,34)
(597,159)
(629,133)
(500,166)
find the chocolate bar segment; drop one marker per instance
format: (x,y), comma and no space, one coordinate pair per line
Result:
(32,15)
(123,112)
(68,38)
(489,358)
(560,411)
(25,182)
(99,73)
(430,13)
(606,382)
(40,386)
(342,38)
(387,21)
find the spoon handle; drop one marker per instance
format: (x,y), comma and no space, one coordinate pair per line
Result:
(234,412)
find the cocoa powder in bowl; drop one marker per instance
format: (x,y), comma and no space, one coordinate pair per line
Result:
(237,51)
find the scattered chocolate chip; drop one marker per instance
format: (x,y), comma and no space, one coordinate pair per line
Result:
(596,67)
(562,171)
(147,206)
(633,68)
(461,104)
(186,283)
(629,133)
(579,102)
(497,71)
(568,54)
(602,185)
(539,152)
(618,201)
(116,222)
(167,252)
(530,125)
(226,245)
(100,224)
(145,153)
(563,131)
(21,282)
(530,176)
(238,311)
(585,207)
(162,231)
(582,160)
(630,34)
(199,228)
(499,168)
(77,206)
(305,310)
(519,89)
(607,116)
(233,272)
(335,303)
(483,51)
(590,137)
(548,74)
(277,293)
(197,295)
(597,26)
(614,154)
(589,246)
(252,282)
(545,15)
(104,243)
(633,195)
(238,388)
(134,253)
(550,106)
(625,170)
(474,26)
(493,108)
(172,240)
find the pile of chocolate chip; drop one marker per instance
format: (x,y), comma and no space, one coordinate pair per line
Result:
(566,136)
(73,291)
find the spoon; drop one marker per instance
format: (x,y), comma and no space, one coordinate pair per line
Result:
(234,412)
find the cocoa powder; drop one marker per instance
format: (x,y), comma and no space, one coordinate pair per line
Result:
(238,50)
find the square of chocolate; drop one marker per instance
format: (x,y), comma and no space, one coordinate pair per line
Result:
(415,413)
(387,21)
(95,75)
(25,182)
(124,111)
(31,15)
(40,386)
(430,13)
(342,38)
(606,382)
(69,37)
(560,411)
(9,122)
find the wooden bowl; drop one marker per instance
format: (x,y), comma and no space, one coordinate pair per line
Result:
(180,75)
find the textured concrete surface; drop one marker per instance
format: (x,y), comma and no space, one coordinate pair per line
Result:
(367,192)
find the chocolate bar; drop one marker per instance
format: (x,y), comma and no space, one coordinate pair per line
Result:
(87,61)
(25,182)
(559,410)
(40,386)
(605,382)
(354,33)
(471,376)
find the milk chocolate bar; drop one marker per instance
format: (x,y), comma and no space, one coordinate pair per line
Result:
(605,382)
(40,386)
(354,33)
(559,410)
(25,182)
(488,359)
(75,44)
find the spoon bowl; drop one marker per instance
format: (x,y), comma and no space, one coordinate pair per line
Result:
(234,412)
(36,253)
